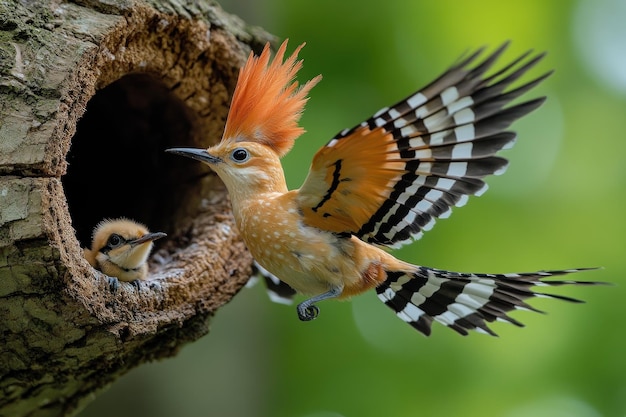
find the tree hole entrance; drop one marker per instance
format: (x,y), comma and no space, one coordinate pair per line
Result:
(117,165)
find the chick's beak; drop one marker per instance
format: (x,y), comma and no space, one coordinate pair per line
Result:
(198,154)
(149,237)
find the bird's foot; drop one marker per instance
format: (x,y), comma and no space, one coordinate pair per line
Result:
(307,312)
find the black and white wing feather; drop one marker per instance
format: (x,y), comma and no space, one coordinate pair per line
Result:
(277,290)
(388,179)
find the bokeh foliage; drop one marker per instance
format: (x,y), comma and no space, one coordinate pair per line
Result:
(561,204)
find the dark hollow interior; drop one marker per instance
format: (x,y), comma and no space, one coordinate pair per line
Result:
(117,166)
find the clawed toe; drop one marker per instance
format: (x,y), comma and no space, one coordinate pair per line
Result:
(308,313)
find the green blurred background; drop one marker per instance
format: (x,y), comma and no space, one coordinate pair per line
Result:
(560,205)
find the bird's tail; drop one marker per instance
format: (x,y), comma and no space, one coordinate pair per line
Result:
(465,301)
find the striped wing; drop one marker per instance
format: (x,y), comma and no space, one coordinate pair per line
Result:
(464,301)
(277,290)
(388,179)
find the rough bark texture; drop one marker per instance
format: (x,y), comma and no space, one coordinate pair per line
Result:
(91,93)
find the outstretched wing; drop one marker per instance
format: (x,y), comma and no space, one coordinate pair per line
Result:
(388,179)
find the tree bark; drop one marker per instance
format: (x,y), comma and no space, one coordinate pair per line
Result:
(91,93)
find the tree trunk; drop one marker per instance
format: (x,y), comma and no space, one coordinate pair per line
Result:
(91,93)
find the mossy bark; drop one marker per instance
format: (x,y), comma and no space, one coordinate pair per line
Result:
(91,93)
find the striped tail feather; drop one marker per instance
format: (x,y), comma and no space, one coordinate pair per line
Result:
(465,301)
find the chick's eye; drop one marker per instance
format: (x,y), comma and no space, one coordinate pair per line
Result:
(240,155)
(115,240)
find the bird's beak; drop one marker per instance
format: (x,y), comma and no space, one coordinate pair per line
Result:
(149,237)
(198,154)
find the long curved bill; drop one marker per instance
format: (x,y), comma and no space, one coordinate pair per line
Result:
(198,154)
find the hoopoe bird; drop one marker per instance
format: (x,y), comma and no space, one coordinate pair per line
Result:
(378,185)
(120,249)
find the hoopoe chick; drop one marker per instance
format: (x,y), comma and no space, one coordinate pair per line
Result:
(120,249)
(380,184)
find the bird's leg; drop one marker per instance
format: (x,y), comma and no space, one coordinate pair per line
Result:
(307,310)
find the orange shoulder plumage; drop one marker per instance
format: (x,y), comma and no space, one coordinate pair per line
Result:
(268,102)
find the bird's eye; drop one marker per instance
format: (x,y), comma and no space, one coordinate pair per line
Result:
(240,155)
(115,240)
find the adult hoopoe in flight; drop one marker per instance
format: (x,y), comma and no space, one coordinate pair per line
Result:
(120,249)
(379,184)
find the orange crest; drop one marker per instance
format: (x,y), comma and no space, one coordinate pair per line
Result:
(268,102)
